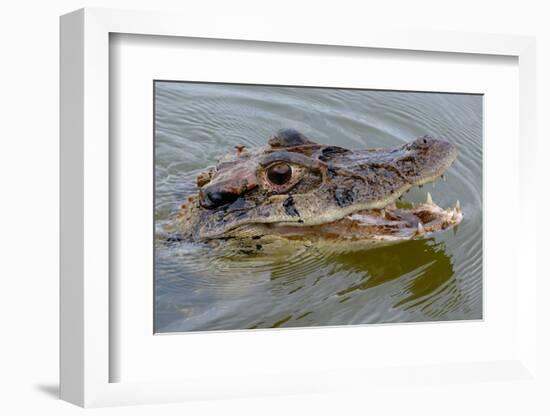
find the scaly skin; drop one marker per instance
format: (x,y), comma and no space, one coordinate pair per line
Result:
(295,188)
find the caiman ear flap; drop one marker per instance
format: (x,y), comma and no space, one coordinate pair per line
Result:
(289,138)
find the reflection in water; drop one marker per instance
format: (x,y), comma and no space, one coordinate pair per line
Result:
(299,283)
(425,260)
(199,287)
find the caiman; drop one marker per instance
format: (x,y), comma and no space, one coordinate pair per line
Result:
(295,188)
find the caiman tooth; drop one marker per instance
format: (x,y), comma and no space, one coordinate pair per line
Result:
(383,213)
(420,228)
(429,200)
(455,215)
(457,205)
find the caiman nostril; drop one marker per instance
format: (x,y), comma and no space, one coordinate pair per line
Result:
(212,198)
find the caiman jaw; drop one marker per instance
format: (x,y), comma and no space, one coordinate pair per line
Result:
(392,222)
(381,219)
(387,224)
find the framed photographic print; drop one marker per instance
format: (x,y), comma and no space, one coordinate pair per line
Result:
(267,213)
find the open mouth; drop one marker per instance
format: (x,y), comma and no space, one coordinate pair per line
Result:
(396,221)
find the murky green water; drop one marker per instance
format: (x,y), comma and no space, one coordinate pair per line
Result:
(435,279)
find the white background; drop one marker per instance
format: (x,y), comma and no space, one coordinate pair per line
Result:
(29,208)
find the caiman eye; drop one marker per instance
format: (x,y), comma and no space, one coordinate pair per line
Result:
(279,174)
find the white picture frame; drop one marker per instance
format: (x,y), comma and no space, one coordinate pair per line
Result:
(87,355)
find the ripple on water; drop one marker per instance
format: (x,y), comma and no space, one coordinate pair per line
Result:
(439,278)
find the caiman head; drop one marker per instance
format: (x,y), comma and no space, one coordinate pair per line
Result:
(297,188)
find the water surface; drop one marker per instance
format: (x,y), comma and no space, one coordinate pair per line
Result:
(432,279)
